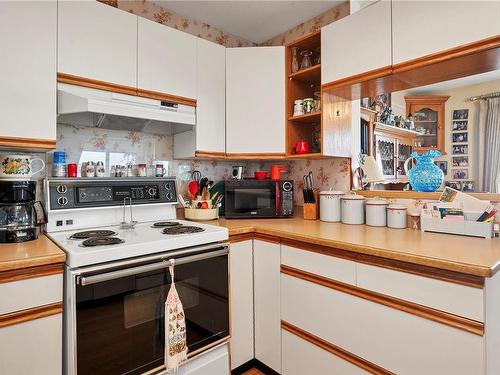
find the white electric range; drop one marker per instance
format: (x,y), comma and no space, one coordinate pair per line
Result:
(120,235)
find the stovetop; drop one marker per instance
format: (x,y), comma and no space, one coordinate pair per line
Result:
(144,239)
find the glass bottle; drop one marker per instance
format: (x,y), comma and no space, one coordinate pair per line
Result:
(295,62)
(306,59)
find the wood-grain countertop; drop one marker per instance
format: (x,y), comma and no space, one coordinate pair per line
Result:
(39,252)
(468,255)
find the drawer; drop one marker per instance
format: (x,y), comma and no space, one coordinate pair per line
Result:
(27,293)
(324,265)
(457,299)
(300,357)
(390,338)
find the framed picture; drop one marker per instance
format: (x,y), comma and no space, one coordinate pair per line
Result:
(460,174)
(460,114)
(366,102)
(468,185)
(459,137)
(459,125)
(460,149)
(443,165)
(460,161)
(380,102)
(457,185)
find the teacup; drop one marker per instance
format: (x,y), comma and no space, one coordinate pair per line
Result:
(19,166)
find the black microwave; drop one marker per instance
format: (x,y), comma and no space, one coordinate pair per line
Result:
(251,198)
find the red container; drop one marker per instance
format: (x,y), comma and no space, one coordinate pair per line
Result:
(260,175)
(72,170)
(302,147)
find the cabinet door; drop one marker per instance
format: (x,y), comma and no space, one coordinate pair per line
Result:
(255,100)
(241,275)
(385,154)
(97,41)
(28,36)
(166,60)
(423,28)
(267,303)
(428,121)
(357,44)
(32,347)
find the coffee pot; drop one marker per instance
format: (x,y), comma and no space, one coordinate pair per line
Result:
(20,214)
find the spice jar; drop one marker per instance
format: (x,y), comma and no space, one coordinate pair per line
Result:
(99,169)
(141,170)
(90,169)
(160,171)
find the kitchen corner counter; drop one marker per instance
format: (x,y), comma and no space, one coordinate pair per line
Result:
(467,255)
(39,252)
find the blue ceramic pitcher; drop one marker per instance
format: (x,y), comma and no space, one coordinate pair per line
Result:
(424,175)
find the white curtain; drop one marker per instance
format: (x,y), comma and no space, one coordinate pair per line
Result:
(489,146)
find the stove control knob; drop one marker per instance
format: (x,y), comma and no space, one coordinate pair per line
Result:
(287,186)
(63,201)
(61,189)
(152,192)
(168,186)
(169,196)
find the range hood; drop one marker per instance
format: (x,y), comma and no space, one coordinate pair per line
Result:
(83,106)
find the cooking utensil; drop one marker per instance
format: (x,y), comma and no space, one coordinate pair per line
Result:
(196,176)
(202,184)
(193,188)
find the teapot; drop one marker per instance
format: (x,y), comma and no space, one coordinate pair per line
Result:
(425,175)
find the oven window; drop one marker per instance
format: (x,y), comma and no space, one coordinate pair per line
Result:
(120,323)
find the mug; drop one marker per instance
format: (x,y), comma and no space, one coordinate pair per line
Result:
(18,166)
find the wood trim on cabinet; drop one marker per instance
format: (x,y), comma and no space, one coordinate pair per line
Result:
(241,237)
(266,238)
(463,50)
(31,272)
(396,265)
(166,97)
(251,156)
(425,312)
(362,77)
(27,143)
(30,314)
(95,84)
(420,195)
(334,349)
(210,154)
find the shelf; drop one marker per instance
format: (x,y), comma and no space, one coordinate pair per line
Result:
(310,75)
(426,121)
(427,135)
(308,117)
(312,155)
(395,129)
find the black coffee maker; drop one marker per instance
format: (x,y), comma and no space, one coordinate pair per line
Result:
(20,214)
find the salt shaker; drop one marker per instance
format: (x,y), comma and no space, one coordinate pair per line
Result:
(90,169)
(100,170)
(130,170)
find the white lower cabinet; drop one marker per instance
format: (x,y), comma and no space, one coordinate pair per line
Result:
(267,303)
(395,340)
(32,347)
(300,357)
(241,297)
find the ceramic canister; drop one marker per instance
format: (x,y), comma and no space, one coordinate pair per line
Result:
(396,216)
(376,212)
(353,209)
(329,205)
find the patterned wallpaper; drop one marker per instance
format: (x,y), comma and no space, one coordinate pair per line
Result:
(309,26)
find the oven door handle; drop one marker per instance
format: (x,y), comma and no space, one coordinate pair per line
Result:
(89,280)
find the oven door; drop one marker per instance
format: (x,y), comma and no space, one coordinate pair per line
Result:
(119,312)
(249,199)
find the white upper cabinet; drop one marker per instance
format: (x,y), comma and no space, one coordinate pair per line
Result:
(97,41)
(209,134)
(28,36)
(358,43)
(422,28)
(255,100)
(166,60)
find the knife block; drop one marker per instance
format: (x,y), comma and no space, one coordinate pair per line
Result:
(311,211)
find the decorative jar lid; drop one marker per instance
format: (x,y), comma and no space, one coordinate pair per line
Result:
(331,192)
(353,197)
(376,202)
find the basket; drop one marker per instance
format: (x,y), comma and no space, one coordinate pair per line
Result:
(200,214)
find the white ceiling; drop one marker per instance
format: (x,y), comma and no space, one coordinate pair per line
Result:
(255,20)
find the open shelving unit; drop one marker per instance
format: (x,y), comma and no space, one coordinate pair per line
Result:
(299,85)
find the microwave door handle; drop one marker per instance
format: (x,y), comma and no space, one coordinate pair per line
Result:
(89,280)
(278,199)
